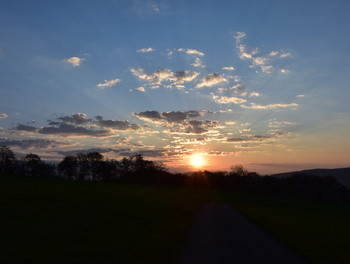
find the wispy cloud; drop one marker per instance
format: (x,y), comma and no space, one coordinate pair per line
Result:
(140,89)
(145,50)
(269,106)
(280,123)
(3,116)
(74,61)
(262,63)
(211,80)
(192,52)
(254,94)
(228,100)
(230,68)
(198,63)
(31,143)
(109,83)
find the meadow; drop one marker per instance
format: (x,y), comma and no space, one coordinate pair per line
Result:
(58,221)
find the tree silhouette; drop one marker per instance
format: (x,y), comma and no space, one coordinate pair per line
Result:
(7,159)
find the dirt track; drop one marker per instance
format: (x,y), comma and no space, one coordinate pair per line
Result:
(221,235)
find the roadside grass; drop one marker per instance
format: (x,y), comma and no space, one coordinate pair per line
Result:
(53,221)
(57,221)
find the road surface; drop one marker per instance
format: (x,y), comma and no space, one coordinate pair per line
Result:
(222,235)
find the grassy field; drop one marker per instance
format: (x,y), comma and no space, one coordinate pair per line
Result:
(53,221)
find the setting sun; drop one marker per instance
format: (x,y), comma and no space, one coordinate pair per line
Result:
(197,160)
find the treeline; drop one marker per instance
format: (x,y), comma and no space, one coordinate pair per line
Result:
(135,169)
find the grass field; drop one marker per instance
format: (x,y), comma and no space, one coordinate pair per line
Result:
(53,221)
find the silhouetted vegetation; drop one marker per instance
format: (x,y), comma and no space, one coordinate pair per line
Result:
(135,169)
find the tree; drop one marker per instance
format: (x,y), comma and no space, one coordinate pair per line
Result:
(68,167)
(239,170)
(7,159)
(34,164)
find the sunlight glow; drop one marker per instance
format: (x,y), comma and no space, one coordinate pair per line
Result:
(197,160)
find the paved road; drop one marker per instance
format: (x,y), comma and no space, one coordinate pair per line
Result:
(221,235)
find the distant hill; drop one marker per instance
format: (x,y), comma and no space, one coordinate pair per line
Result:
(342,175)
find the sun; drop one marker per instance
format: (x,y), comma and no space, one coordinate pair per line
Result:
(197,160)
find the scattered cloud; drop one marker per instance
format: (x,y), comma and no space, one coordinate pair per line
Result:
(145,50)
(211,80)
(280,123)
(228,100)
(168,117)
(284,71)
(198,63)
(75,119)
(239,35)
(74,61)
(269,106)
(185,76)
(109,83)
(116,124)
(300,96)
(25,128)
(192,52)
(254,94)
(71,130)
(230,68)
(140,89)
(31,143)
(3,116)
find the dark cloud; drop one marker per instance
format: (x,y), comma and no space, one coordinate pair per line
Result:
(66,129)
(25,128)
(75,119)
(31,143)
(170,117)
(116,124)
(145,153)
(85,151)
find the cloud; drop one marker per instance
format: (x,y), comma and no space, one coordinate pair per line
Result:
(3,116)
(239,35)
(300,96)
(75,119)
(31,143)
(185,76)
(140,89)
(145,50)
(284,71)
(249,138)
(280,123)
(116,124)
(254,94)
(270,106)
(285,55)
(211,80)
(228,100)
(155,78)
(25,128)
(168,117)
(238,88)
(109,83)
(228,68)
(71,130)
(192,51)
(74,61)
(198,63)
(145,153)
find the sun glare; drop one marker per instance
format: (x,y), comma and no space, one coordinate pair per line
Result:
(197,161)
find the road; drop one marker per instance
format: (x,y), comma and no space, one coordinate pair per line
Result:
(222,235)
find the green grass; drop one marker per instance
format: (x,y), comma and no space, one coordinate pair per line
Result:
(53,221)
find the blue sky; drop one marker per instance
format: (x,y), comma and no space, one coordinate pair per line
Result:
(260,83)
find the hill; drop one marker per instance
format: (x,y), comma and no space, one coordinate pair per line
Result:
(341,174)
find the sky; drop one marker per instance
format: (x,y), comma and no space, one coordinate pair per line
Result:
(264,84)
